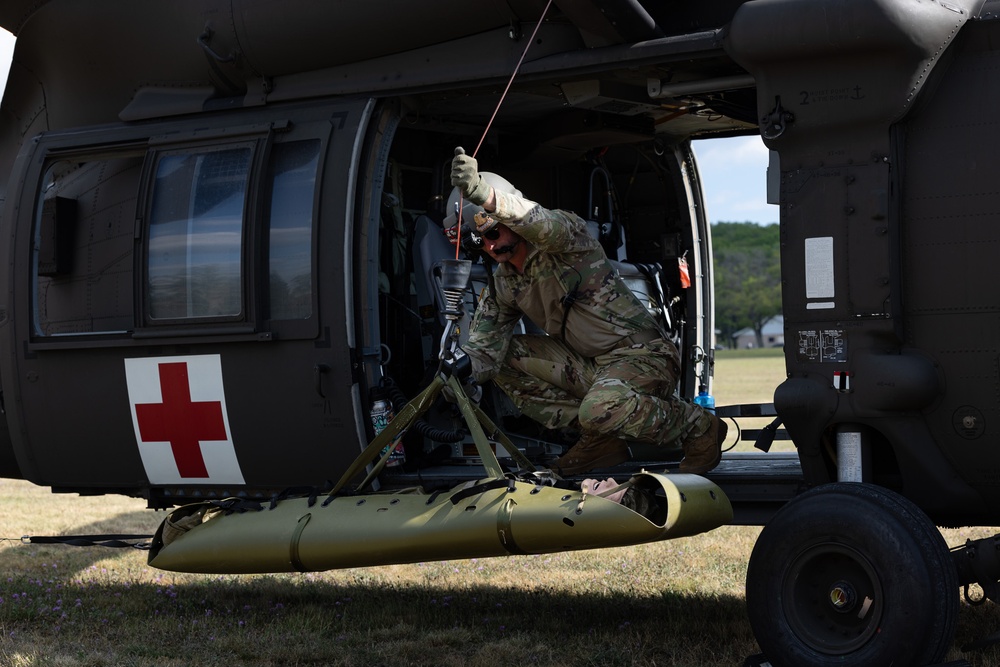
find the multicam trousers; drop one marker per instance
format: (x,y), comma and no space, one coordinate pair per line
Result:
(628,392)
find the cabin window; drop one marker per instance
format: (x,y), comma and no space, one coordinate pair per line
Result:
(293,191)
(84,235)
(195,244)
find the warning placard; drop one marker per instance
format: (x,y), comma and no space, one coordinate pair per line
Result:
(822,346)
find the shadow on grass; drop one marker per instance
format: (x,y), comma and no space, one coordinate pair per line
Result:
(368,617)
(311,620)
(57,608)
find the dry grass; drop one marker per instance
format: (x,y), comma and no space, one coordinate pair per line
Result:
(673,603)
(746,377)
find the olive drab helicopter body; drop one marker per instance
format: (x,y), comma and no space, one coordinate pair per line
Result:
(222,231)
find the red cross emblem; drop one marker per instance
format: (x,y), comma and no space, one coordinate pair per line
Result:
(179,415)
(181,422)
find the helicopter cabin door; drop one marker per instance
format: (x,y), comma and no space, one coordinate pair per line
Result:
(179,323)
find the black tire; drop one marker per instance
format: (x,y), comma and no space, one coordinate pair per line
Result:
(852,574)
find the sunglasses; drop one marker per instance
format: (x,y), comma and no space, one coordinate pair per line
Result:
(492,235)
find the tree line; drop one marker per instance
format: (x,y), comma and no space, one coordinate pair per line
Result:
(747,278)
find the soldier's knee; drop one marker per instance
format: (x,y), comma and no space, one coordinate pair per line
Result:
(606,411)
(518,347)
(516,385)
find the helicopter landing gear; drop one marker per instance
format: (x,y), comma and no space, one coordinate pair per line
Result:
(852,574)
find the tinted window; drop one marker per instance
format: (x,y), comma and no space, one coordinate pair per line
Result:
(196,234)
(84,236)
(293,190)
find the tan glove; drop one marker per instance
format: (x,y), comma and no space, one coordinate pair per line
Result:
(465,175)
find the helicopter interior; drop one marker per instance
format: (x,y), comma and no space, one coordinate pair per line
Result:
(627,169)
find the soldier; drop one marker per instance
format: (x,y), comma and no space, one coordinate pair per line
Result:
(605,367)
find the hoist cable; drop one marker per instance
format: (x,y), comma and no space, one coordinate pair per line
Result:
(496,110)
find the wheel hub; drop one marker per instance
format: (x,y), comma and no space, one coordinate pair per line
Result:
(831,598)
(843,596)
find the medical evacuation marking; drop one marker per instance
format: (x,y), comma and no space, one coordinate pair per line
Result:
(178,407)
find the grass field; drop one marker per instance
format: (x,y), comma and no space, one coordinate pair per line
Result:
(673,603)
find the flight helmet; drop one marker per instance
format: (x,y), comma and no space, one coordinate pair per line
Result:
(469,210)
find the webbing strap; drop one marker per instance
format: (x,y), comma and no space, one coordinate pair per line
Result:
(505,518)
(410,412)
(112,541)
(478,489)
(293,545)
(486,453)
(495,433)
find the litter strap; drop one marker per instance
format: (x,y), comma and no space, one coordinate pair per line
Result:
(112,541)
(478,489)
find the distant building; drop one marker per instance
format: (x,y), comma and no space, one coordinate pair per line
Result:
(773,334)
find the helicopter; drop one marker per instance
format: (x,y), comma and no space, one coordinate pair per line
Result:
(223,227)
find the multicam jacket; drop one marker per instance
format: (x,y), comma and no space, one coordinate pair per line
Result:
(568,289)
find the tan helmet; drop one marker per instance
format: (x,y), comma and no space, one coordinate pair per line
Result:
(469,210)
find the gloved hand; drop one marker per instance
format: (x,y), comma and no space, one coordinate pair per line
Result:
(465,175)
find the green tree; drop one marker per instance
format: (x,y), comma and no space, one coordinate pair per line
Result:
(747,277)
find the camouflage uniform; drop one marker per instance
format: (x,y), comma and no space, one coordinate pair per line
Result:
(604,366)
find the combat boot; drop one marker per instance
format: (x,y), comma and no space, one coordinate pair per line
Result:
(703,452)
(593,450)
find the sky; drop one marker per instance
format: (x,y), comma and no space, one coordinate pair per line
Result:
(733,171)
(734,179)
(6,51)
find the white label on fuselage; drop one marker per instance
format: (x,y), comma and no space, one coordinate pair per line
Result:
(819,269)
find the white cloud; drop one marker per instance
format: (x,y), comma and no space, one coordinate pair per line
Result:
(749,151)
(734,179)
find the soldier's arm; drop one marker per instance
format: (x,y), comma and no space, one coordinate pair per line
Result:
(489,336)
(547,229)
